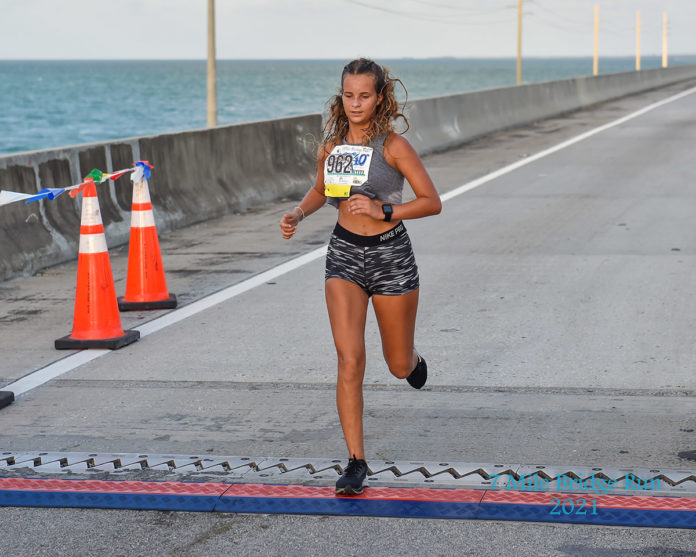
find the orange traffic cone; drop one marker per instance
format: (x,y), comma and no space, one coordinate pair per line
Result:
(97,323)
(146,287)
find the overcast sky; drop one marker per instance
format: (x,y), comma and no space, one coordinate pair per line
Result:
(176,29)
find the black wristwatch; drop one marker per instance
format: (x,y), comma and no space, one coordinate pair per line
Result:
(387,209)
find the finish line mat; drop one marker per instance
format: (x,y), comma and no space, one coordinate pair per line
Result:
(626,497)
(624,510)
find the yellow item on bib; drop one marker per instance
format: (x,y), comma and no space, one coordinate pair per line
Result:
(336,190)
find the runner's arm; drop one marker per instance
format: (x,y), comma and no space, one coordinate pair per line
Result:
(402,156)
(313,200)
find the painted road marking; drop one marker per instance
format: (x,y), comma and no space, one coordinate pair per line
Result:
(45,374)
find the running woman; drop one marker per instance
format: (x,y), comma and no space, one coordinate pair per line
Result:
(361,169)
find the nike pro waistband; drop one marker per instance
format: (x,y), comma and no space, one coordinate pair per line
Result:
(366,241)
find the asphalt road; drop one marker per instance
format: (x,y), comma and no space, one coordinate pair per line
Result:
(556,316)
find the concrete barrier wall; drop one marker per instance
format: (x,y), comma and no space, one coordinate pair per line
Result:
(441,123)
(198,175)
(202,174)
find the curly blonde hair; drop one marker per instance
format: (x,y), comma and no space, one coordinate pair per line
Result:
(387,110)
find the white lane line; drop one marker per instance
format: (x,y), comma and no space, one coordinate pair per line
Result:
(229,292)
(514,166)
(69,363)
(43,375)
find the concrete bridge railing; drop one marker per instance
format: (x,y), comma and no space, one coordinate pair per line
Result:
(202,174)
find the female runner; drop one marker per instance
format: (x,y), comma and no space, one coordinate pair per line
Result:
(361,169)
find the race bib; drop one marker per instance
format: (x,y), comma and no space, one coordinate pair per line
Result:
(346,166)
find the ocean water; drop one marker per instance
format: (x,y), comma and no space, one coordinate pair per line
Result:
(45,104)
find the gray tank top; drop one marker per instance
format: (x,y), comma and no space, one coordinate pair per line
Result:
(383,182)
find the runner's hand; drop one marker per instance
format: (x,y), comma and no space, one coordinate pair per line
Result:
(359,204)
(288,224)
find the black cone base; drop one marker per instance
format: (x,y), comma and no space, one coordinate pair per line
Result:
(69,343)
(6,398)
(167,303)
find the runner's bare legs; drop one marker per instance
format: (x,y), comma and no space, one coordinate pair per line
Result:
(347,305)
(396,316)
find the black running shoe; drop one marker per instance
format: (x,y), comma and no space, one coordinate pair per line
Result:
(352,481)
(419,375)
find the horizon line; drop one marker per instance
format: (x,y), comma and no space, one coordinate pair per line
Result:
(530,57)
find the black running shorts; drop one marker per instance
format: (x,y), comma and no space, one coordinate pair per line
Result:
(383,264)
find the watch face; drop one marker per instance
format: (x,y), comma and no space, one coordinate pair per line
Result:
(387,210)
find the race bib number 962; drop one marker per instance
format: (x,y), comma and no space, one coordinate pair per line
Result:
(346,166)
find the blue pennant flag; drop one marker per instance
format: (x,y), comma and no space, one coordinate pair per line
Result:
(50,193)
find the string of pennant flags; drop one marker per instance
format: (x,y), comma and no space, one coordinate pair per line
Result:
(140,170)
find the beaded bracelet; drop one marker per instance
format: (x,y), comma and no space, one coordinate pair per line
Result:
(301,211)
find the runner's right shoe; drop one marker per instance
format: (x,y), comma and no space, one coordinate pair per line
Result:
(352,481)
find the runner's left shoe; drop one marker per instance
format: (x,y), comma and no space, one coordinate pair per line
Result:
(419,375)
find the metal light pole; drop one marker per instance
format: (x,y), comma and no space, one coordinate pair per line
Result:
(665,62)
(519,42)
(212,78)
(637,41)
(595,61)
